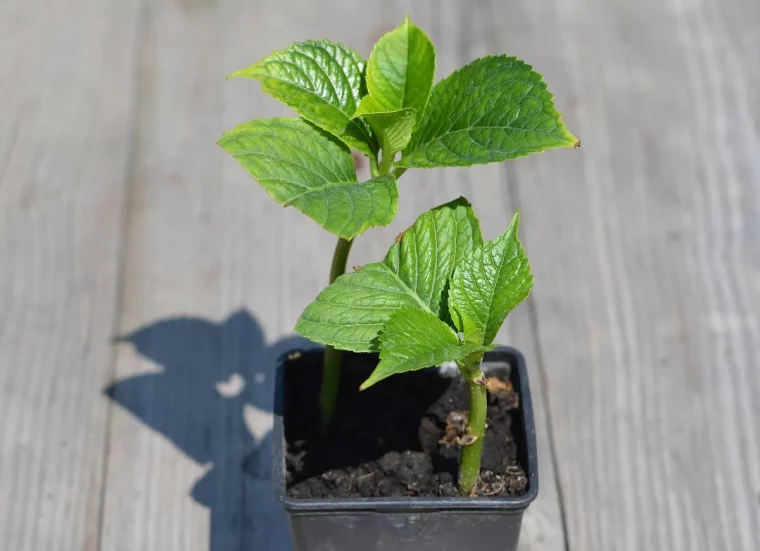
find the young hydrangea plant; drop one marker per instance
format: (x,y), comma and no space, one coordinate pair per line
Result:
(441,294)
(493,109)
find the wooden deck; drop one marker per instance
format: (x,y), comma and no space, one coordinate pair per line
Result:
(141,269)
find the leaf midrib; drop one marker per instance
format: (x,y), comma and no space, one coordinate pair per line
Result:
(408,290)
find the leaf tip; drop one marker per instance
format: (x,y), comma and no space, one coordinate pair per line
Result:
(238,73)
(368,383)
(515,223)
(570,140)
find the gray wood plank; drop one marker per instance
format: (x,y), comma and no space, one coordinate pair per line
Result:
(66,83)
(216,275)
(645,248)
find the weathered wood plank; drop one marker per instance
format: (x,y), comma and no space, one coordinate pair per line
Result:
(646,254)
(66,83)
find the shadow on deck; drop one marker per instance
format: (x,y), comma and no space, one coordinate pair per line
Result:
(213,398)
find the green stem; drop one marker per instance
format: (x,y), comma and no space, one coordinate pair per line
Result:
(386,161)
(374,170)
(328,393)
(469,459)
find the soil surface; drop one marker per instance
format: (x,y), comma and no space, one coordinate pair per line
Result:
(396,439)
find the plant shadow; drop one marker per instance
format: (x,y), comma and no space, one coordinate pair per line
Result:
(213,398)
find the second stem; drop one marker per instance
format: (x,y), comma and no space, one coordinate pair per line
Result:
(328,393)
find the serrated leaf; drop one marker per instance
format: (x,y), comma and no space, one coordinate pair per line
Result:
(415,339)
(301,166)
(493,109)
(488,284)
(401,68)
(350,313)
(430,250)
(322,81)
(393,128)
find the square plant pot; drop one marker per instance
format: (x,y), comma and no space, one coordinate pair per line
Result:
(397,522)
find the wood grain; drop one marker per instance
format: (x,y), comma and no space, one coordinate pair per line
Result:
(66,83)
(645,248)
(641,334)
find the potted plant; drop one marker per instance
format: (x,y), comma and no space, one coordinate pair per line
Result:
(427,459)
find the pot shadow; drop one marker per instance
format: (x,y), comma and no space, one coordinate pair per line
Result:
(213,399)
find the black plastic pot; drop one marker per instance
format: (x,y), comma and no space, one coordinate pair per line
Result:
(411,524)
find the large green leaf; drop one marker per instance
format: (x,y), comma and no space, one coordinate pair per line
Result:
(350,313)
(488,284)
(415,339)
(322,81)
(493,109)
(401,68)
(301,166)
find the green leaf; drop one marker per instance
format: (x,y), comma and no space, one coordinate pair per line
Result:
(415,339)
(430,250)
(493,109)
(301,166)
(394,128)
(488,284)
(401,68)
(322,81)
(350,313)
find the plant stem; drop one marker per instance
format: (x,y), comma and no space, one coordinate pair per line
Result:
(398,171)
(386,161)
(328,393)
(469,459)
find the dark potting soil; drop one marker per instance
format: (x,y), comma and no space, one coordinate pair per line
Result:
(396,439)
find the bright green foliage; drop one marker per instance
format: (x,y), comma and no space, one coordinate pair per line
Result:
(399,78)
(350,313)
(415,339)
(393,128)
(488,284)
(493,109)
(400,70)
(301,166)
(322,81)
(440,278)
(399,306)
(430,250)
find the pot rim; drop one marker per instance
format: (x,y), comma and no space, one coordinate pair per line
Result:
(516,504)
